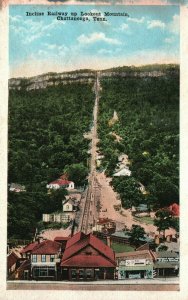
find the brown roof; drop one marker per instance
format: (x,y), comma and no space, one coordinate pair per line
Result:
(75,238)
(47,247)
(78,242)
(135,254)
(29,247)
(12,259)
(143,247)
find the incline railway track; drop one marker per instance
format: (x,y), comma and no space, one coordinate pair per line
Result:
(89,215)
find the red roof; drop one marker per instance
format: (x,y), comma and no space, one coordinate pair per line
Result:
(174,208)
(61,182)
(29,247)
(75,238)
(92,261)
(46,247)
(12,259)
(80,241)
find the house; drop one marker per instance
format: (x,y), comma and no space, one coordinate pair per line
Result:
(123,172)
(12,263)
(136,264)
(175,209)
(105,225)
(166,263)
(70,205)
(44,257)
(17,188)
(56,217)
(61,183)
(87,258)
(26,251)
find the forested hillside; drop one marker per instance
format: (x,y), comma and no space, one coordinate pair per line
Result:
(148,112)
(46,128)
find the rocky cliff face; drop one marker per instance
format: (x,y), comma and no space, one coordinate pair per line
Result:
(54,79)
(50,79)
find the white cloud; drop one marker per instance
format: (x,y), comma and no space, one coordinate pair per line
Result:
(16,18)
(174,25)
(169,40)
(96,37)
(156,24)
(31,30)
(135,20)
(124,26)
(109,51)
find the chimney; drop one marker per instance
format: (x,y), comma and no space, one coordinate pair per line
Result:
(157,240)
(108,240)
(169,238)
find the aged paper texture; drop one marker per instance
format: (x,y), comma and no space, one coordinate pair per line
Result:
(34,43)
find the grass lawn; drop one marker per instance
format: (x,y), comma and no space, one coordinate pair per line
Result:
(118,248)
(146,220)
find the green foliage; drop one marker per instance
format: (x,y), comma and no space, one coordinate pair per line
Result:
(46,128)
(129,191)
(118,248)
(136,233)
(164,220)
(77,173)
(162,248)
(148,112)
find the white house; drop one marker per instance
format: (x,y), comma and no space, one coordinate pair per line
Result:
(61,183)
(17,188)
(123,172)
(64,217)
(69,205)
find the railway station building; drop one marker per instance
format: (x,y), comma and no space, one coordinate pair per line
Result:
(87,258)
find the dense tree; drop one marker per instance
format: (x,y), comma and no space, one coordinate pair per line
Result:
(77,173)
(164,220)
(46,128)
(136,233)
(148,124)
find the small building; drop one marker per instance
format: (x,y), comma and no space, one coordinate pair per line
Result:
(45,257)
(26,251)
(61,183)
(136,264)
(42,257)
(166,263)
(175,209)
(105,225)
(87,258)
(123,172)
(70,205)
(12,263)
(17,188)
(56,217)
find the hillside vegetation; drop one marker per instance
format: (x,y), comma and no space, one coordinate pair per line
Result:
(148,123)
(46,128)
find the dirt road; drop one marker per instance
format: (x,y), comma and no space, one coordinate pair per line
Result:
(109,198)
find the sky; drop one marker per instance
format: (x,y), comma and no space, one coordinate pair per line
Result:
(40,44)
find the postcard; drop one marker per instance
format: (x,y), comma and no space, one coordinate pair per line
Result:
(94,149)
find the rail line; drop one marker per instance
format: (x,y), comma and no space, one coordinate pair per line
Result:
(89,215)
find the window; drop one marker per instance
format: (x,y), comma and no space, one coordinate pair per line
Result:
(67,207)
(73,274)
(89,273)
(81,274)
(43,258)
(34,258)
(52,258)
